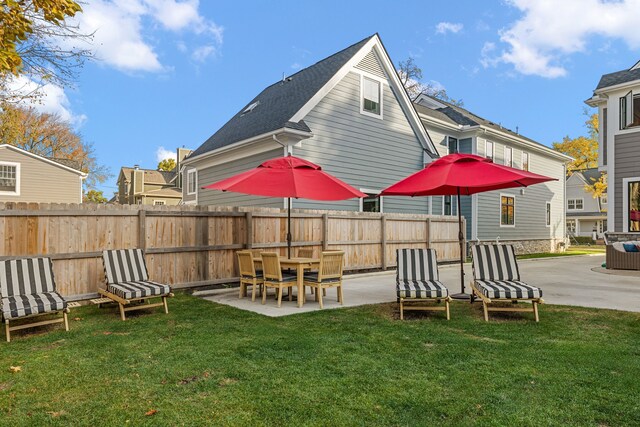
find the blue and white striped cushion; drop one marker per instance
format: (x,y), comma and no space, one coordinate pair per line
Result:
(508,289)
(495,262)
(416,264)
(124,265)
(16,306)
(26,276)
(421,289)
(138,289)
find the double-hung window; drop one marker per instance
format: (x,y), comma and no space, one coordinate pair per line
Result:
(10,178)
(452,144)
(508,156)
(192,178)
(371,96)
(489,150)
(575,204)
(525,161)
(507,210)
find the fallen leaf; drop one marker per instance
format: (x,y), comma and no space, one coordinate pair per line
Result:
(206,375)
(151,412)
(14,369)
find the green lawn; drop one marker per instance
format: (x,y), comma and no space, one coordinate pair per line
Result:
(211,364)
(571,251)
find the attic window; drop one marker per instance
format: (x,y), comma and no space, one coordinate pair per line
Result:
(371,97)
(250,108)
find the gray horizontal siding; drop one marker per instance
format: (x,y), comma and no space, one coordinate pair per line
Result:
(364,151)
(576,190)
(216,173)
(627,165)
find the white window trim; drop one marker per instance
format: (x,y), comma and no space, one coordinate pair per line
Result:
(371,191)
(625,201)
(493,150)
(189,173)
(381,82)
(575,204)
(547,208)
(500,210)
(457,144)
(17,192)
(454,212)
(528,161)
(504,156)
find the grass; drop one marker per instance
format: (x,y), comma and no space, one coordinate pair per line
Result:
(206,363)
(571,251)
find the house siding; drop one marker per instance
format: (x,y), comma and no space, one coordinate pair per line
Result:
(212,174)
(576,190)
(627,165)
(41,181)
(364,151)
(605,127)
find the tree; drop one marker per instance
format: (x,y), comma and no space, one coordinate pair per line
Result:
(94,196)
(167,165)
(49,136)
(411,76)
(584,150)
(38,42)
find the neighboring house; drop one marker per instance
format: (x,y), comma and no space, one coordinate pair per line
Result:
(350,114)
(138,186)
(533,217)
(585,214)
(27,177)
(617,97)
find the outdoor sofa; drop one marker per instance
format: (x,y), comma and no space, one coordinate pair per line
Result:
(618,258)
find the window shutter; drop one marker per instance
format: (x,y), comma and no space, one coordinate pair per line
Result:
(629,118)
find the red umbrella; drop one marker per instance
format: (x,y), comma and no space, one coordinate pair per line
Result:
(288,177)
(462,174)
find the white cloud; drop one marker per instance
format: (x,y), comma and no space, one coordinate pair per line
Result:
(550,30)
(203,52)
(448,27)
(162,153)
(51,99)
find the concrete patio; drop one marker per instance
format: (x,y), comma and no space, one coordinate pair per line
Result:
(565,280)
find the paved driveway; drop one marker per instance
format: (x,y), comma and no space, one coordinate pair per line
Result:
(567,280)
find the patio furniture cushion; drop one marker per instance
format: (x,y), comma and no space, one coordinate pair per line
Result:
(258,275)
(630,247)
(125,265)
(287,278)
(495,262)
(313,277)
(138,289)
(416,264)
(508,289)
(421,289)
(26,276)
(16,306)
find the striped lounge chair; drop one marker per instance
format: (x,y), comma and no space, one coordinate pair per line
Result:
(128,281)
(496,277)
(28,289)
(417,281)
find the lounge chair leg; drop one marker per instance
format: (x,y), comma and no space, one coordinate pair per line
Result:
(66,321)
(401,308)
(446,305)
(6,328)
(166,307)
(319,294)
(535,310)
(122,315)
(486,311)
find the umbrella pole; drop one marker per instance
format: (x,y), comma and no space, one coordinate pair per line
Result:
(462,294)
(289,227)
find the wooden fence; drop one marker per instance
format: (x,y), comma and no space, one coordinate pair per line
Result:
(190,246)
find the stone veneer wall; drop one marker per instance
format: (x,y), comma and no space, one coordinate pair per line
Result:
(531,246)
(612,237)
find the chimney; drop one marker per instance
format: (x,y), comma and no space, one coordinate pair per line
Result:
(136,167)
(180,156)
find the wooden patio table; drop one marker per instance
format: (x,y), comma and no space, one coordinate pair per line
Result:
(298,264)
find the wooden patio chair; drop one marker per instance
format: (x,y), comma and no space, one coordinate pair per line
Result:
(329,275)
(128,281)
(28,290)
(249,276)
(273,277)
(417,281)
(305,253)
(496,277)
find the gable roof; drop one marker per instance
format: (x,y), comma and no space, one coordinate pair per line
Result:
(66,164)
(590,175)
(151,176)
(279,102)
(619,77)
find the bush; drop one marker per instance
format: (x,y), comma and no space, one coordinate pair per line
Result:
(584,240)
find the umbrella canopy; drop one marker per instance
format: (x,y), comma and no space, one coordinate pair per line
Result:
(462,174)
(288,177)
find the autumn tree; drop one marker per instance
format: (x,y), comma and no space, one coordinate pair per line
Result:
(584,150)
(37,41)
(167,165)
(94,196)
(49,136)
(411,77)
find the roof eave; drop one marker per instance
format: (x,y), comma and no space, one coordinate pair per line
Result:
(624,85)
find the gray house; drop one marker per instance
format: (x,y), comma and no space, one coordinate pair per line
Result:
(585,214)
(532,218)
(617,98)
(350,114)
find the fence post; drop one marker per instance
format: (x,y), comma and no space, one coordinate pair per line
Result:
(428,233)
(142,228)
(249,220)
(383,228)
(325,231)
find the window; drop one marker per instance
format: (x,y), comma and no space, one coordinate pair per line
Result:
(489,150)
(633,203)
(603,199)
(10,178)
(548,214)
(452,143)
(371,96)
(159,203)
(571,226)
(507,211)
(508,156)
(629,111)
(192,185)
(371,203)
(575,204)
(525,161)
(447,208)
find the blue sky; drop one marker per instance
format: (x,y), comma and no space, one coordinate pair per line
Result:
(170,73)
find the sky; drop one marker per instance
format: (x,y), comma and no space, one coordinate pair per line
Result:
(169,73)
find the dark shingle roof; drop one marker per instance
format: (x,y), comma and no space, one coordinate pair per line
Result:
(591,175)
(279,102)
(73,164)
(618,77)
(151,176)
